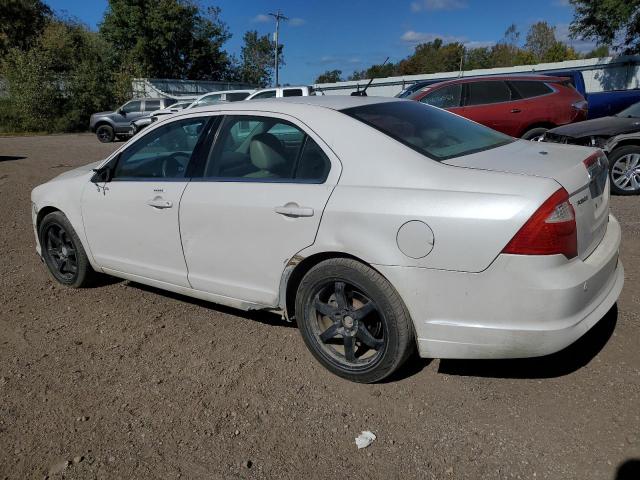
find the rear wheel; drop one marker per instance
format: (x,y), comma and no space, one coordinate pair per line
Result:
(105,133)
(353,321)
(534,134)
(63,252)
(624,170)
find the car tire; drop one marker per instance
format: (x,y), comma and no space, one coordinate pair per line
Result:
(105,133)
(624,170)
(353,321)
(63,253)
(534,133)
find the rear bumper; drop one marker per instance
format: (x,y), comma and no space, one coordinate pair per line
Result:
(521,306)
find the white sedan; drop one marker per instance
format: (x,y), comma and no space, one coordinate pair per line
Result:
(379,225)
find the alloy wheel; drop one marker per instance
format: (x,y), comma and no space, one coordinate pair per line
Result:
(348,325)
(61,252)
(625,172)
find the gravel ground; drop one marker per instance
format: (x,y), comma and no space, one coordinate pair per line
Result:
(125,381)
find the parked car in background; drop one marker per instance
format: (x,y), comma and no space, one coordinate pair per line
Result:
(601,104)
(522,106)
(146,120)
(212,98)
(280,92)
(384,226)
(116,124)
(619,136)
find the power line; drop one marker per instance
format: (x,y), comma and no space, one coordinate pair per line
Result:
(278,16)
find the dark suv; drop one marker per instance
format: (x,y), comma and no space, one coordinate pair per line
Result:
(109,125)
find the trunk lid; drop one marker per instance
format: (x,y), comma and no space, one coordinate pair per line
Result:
(587,184)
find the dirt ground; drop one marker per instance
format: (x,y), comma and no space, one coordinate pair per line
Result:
(123,381)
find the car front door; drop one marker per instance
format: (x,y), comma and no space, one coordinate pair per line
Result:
(131,221)
(491,103)
(126,114)
(448,97)
(257,201)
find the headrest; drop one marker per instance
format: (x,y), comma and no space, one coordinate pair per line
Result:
(266,152)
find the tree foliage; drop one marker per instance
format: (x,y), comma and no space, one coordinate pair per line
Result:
(330,76)
(57,83)
(167,38)
(609,22)
(256,59)
(21,22)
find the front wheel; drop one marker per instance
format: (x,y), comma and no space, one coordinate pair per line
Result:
(353,321)
(535,134)
(63,252)
(624,170)
(105,133)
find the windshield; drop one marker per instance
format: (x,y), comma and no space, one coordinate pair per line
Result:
(632,111)
(431,131)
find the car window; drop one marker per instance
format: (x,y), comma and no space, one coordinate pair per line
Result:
(292,92)
(252,148)
(482,93)
(266,94)
(162,153)
(169,101)
(445,97)
(151,105)
(209,100)
(133,106)
(530,89)
(435,133)
(237,96)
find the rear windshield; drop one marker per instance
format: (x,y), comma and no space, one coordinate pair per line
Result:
(438,134)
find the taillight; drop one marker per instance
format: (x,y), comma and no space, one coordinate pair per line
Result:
(551,230)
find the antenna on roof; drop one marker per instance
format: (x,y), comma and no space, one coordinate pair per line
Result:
(363,92)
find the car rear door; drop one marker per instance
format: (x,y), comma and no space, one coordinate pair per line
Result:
(491,103)
(256,201)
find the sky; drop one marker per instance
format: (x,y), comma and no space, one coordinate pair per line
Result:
(351,35)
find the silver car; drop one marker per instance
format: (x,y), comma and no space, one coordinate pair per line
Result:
(380,226)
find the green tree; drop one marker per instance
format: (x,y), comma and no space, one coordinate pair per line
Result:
(541,38)
(477,58)
(21,21)
(598,52)
(432,57)
(57,83)
(609,22)
(330,76)
(167,38)
(256,59)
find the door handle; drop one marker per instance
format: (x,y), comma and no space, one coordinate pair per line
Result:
(159,203)
(515,110)
(294,210)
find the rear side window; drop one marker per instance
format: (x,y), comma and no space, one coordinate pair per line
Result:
(434,133)
(266,94)
(482,93)
(292,92)
(530,89)
(151,105)
(446,97)
(237,96)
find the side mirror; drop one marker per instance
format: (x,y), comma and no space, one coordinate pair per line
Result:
(102,175)
(122,112)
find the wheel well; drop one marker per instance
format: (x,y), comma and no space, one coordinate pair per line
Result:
(537,125)
(43,212)
(101,123)
(301,270)
(627,143)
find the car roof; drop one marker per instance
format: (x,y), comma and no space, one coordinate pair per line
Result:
(291,104)
(534,77)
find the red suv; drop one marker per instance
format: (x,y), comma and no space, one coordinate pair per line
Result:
(519,105)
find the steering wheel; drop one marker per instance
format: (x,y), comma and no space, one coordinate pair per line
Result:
(172,166)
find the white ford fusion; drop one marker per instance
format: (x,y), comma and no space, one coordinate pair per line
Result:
(379,225)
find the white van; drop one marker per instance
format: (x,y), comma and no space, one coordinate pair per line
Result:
(301,91)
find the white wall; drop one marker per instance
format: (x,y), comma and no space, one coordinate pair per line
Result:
(600,74)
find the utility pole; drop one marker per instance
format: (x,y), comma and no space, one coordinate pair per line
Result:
(278,16)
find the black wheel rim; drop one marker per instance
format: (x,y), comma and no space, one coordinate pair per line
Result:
(348,325)
(104,135)
(61,252)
